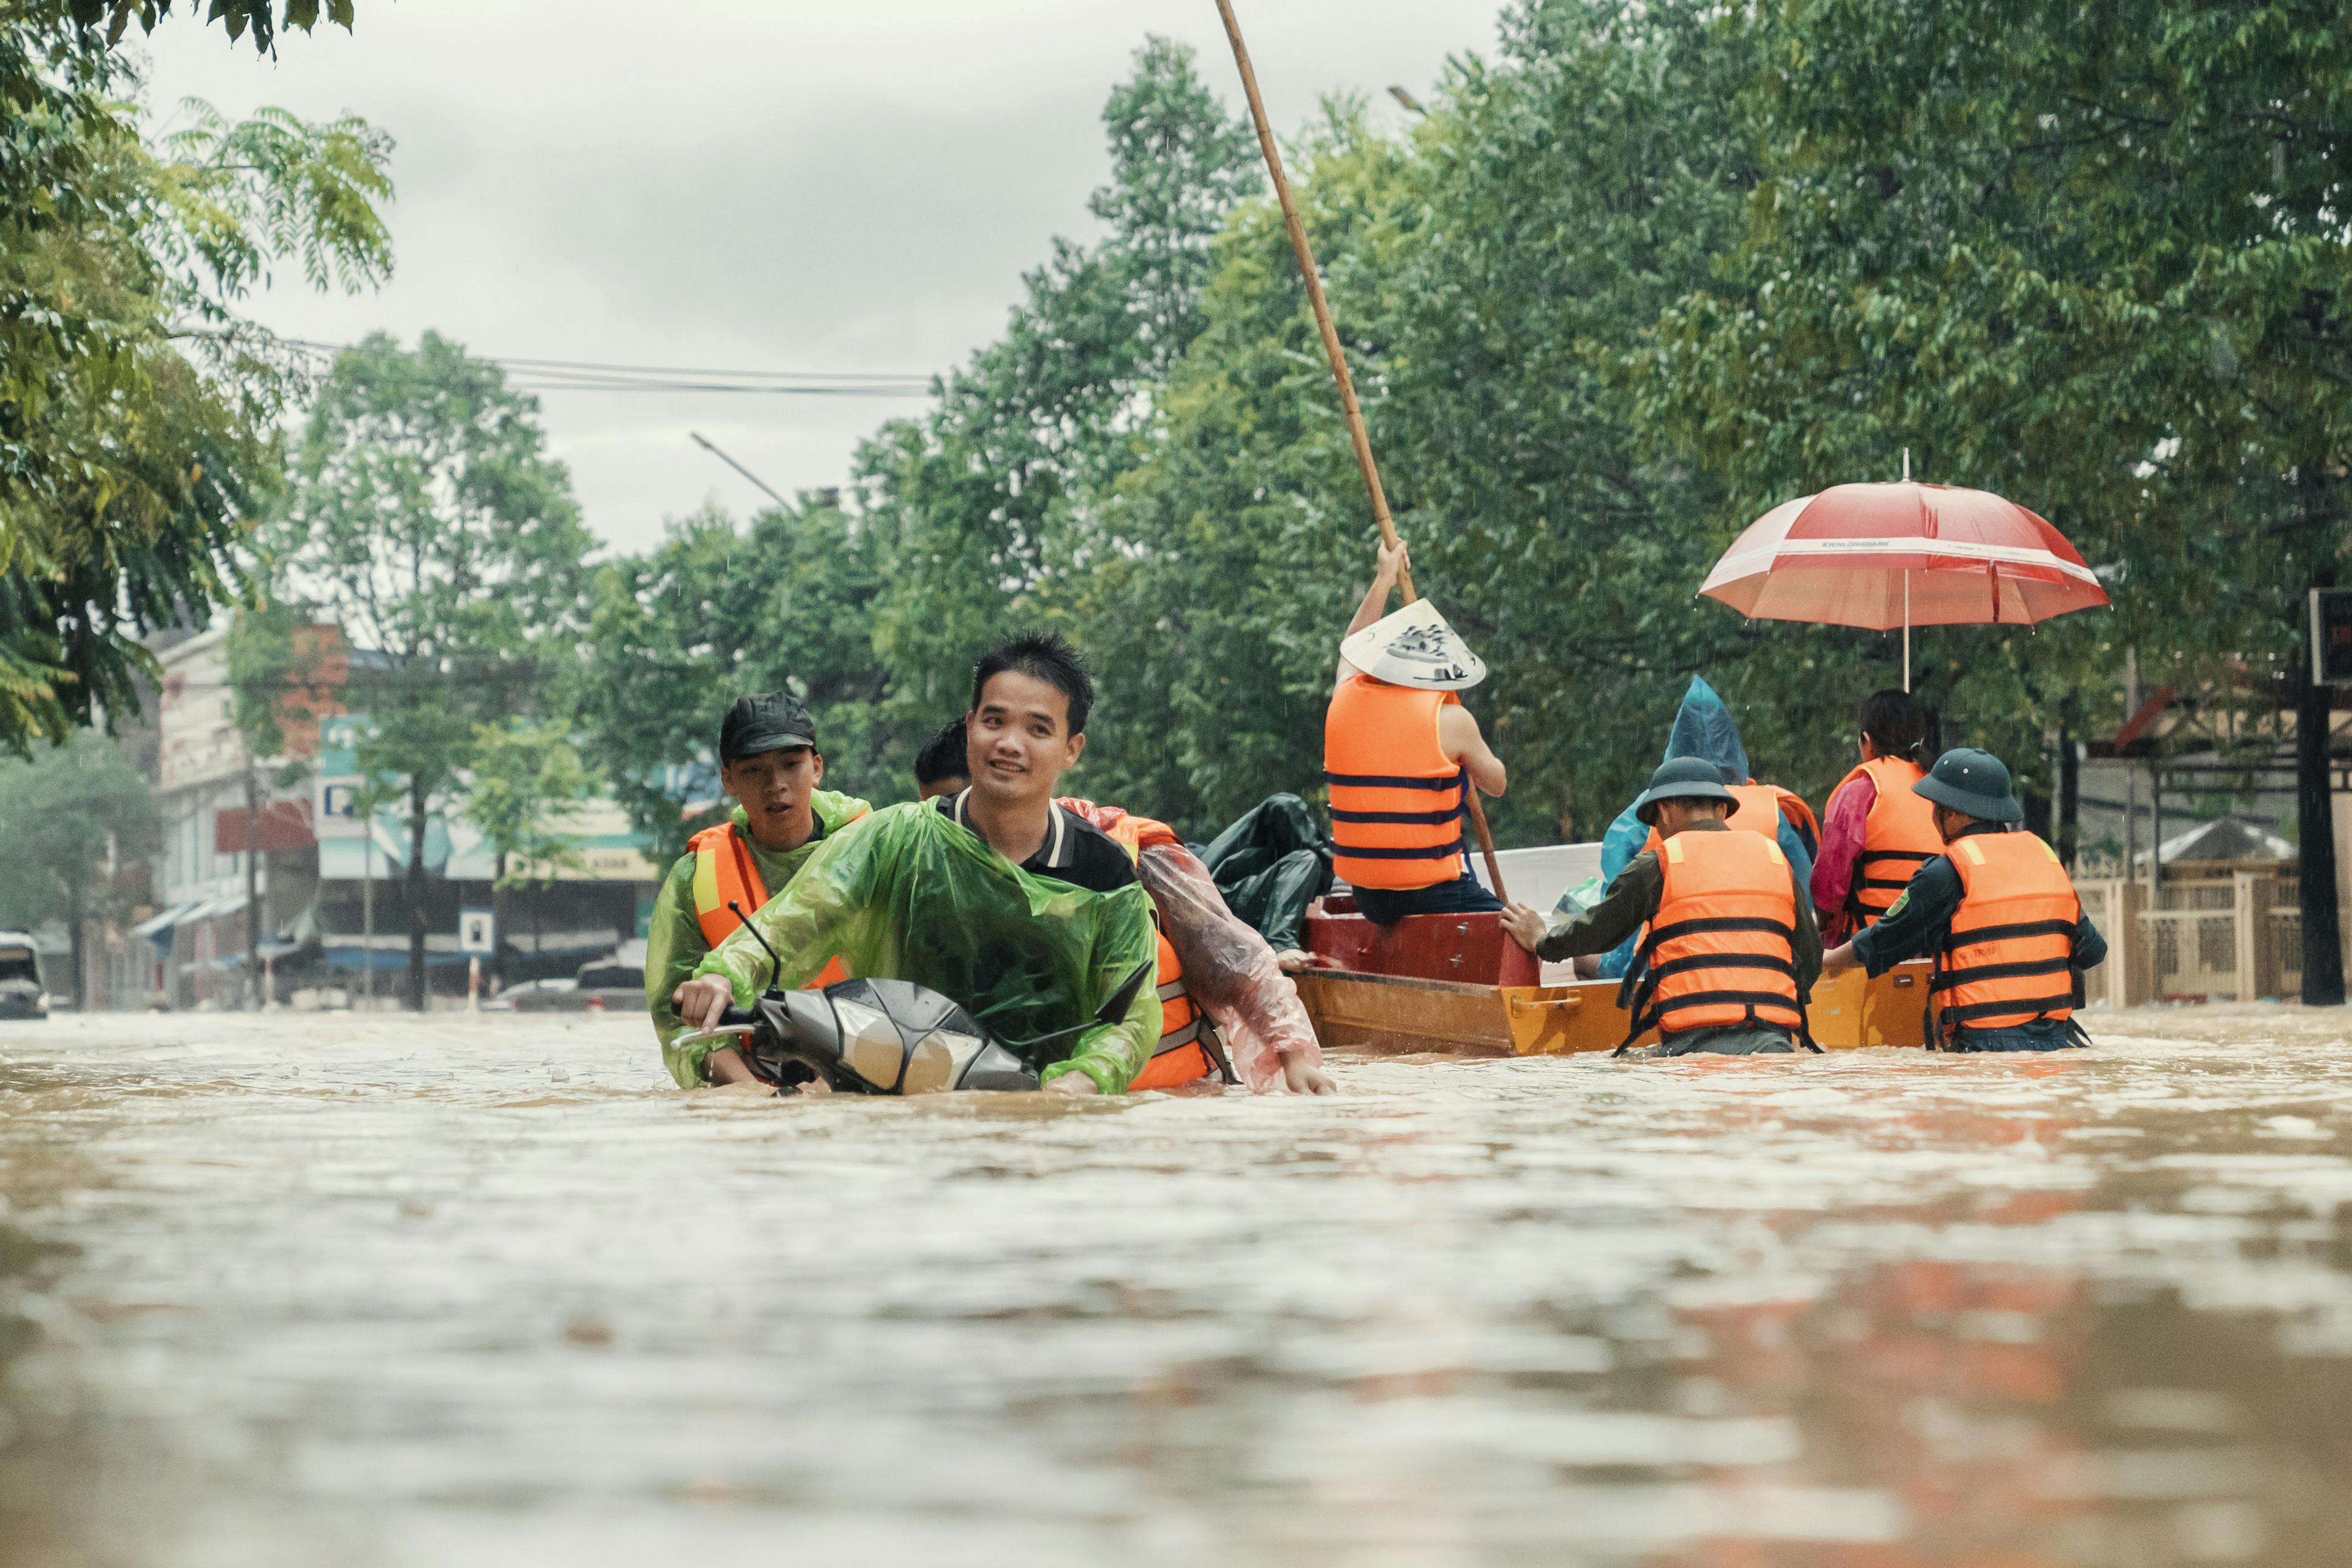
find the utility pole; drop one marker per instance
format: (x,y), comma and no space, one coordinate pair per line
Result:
(254,997)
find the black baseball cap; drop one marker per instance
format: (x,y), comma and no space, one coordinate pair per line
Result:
(770,721)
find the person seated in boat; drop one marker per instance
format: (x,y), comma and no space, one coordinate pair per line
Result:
(1026,914)
(1728,952)
(769,764)
(1400,754)
(1998,914)
(1216,973)
(1876,829)
(1705,727)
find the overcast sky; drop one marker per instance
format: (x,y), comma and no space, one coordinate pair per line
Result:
(758,185)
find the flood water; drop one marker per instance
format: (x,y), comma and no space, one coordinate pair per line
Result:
(323,1290)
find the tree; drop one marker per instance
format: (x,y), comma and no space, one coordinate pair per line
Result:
(137,409)
(427,520)
(981,500)
(2091,257)
(711,615)
(525,780)
(70,816)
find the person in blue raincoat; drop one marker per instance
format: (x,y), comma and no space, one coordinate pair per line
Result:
(1704,728)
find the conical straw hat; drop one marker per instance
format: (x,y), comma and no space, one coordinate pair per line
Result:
(1414,646)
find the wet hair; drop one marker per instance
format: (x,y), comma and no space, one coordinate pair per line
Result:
(942,756)
(1895,725)
(1040,656)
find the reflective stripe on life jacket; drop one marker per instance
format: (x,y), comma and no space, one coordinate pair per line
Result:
(1898,837)
(1189,1047)
(1721,950)
(1396,796)
(2009,957)
(724,872)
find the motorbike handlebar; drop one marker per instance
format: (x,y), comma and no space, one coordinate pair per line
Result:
(735,1017)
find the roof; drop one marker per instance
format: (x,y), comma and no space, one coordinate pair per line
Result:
(2228,838)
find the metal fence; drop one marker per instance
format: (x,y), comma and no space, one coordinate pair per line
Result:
(2207,939)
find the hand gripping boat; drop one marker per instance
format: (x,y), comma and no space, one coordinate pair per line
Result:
(888,1036)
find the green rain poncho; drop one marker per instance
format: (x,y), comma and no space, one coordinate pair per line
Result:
(674,941)
(908,895)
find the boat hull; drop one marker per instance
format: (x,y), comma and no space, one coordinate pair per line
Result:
(1458,985)
(1408,1014)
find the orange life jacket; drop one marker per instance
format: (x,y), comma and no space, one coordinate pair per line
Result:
(1760,808)
(2009,957)
(1898,837)
(724,872)
(1396,796)
(1722,947)
(1189,1047)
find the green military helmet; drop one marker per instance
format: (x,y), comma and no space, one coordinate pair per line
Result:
(1972,783)
(1683,778)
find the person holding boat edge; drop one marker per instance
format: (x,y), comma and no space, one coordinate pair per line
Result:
(1998,911)
(1731,950)
(1401,754)
(1051,918)
(769,761)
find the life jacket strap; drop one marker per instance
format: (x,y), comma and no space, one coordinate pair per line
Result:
(1976,936)
(1947,979)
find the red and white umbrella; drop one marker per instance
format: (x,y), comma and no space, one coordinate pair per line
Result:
(1906,554)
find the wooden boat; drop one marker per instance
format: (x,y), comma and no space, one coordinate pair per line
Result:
(1458,986)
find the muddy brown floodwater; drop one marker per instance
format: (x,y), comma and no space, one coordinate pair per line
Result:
(310,1289)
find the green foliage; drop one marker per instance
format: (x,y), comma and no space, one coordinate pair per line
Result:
(64,812)
(2092,258)
(678,634)
(525,780)
(427,520)
(997,490)
(137,412)
(111,17)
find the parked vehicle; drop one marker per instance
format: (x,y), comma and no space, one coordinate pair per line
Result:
(522,996)
(21,995)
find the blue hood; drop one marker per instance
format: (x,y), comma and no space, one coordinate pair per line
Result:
(1704,728)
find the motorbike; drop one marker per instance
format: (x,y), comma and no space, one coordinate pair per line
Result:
(887,1036)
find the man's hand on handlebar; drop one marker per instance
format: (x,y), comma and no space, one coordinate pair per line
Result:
(701,1000)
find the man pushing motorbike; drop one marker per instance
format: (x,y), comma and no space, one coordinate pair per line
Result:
(1024,912)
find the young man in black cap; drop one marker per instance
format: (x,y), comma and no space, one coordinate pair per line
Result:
(769,761)
(1732,950)
(1998,914)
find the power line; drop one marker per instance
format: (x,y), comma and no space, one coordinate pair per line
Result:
(532,375)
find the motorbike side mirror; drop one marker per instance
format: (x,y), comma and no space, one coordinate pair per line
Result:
(776,964)
(1116,1005)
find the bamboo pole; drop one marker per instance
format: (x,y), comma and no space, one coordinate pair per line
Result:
(1338,358)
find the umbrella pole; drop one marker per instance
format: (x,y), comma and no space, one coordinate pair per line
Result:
(1338,358)
(1906,625)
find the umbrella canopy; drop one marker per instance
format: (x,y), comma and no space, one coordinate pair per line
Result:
(1906,554)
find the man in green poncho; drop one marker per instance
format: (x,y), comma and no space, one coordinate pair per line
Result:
(769,761)
(1025,913)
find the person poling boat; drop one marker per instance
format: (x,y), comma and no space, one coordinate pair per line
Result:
(1728,952)
(1998,914)
(1400,755)
(1220,985)
(1877,830)
(1028,916)
(770,764)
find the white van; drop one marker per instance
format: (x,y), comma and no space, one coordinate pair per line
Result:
(21,995)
